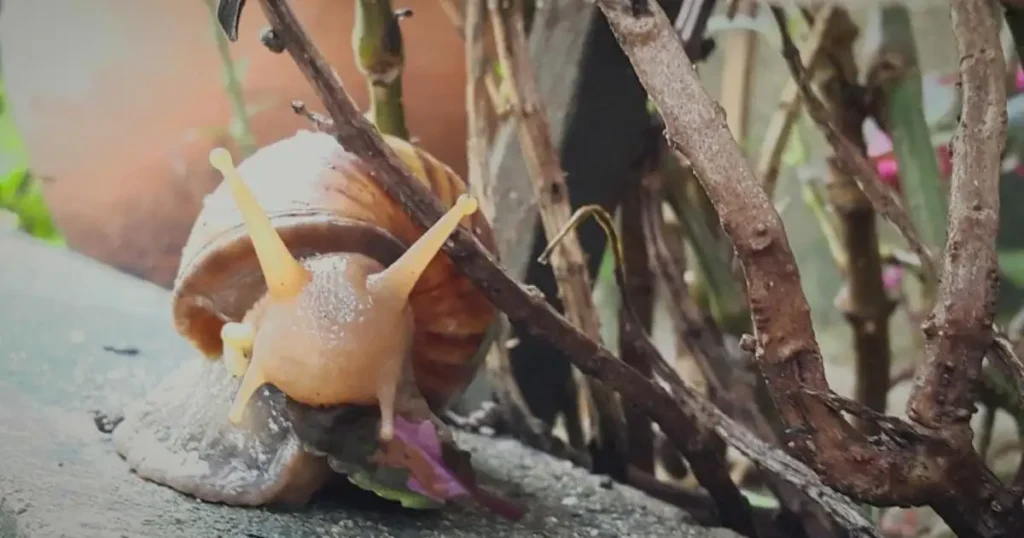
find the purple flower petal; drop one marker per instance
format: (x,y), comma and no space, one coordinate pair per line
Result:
(422,437)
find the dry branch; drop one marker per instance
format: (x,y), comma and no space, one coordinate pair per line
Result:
(545,170)
(512,406)
(851,161)
(639,287)
(733,387)
(781,470)
(958,331)
(885,470)
(781,124)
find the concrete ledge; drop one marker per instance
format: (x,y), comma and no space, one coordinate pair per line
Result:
(78,337)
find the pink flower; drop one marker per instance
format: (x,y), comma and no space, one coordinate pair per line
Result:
(892,278)
(888,170)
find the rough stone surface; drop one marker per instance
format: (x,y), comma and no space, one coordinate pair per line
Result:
(76,337)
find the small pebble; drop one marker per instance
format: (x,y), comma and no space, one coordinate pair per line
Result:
(570,501)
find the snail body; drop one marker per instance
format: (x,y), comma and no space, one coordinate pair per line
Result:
(303,281)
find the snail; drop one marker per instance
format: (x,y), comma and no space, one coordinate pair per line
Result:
(304,286)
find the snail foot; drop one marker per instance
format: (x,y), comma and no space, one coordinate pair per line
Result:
(179,436)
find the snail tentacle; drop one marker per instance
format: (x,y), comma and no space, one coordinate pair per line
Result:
(238,340)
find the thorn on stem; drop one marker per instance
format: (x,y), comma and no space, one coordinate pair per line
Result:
(320,122)
(271,40)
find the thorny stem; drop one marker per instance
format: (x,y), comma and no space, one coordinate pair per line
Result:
(380,57)
(548,179)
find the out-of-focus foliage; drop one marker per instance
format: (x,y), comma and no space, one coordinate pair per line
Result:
(21,195)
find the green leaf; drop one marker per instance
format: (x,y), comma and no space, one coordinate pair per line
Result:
(20,191)
(796,153)
(758,500)
(21,194)
(1012,265)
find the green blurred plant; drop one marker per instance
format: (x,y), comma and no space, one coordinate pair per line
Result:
(232,73)
(21,194)
(380,57)
(896,77)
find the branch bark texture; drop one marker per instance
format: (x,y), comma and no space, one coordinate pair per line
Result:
(958,331)
(903,468)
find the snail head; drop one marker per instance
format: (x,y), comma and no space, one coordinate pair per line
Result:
(334,329)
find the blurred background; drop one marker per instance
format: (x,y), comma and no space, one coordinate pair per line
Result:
(109,109)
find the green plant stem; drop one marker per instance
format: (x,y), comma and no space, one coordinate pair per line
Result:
(896,76)
(724,293)
(380,57)
(814,200)
(243,136)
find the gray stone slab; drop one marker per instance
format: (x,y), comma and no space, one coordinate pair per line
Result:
(76,336)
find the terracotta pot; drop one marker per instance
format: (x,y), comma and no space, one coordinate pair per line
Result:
(120,101)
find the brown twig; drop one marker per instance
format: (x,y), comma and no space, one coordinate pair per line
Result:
(512,405)
(320,122)
(545,170)
(700,506)
(732,385)
(738,52)
(958,332)
(1010,365)
(781,123)
(680,424)
(476,108)
(850,160)
(785,346)
(777,465)
(640,289)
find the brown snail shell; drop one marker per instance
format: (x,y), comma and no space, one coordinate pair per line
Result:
(320,199)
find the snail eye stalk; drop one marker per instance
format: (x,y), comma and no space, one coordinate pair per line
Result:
(393,286)
(284,274)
